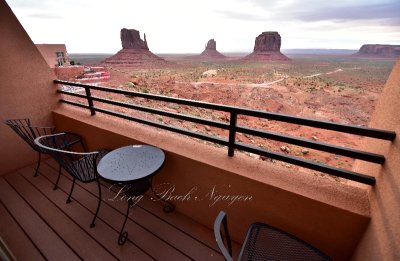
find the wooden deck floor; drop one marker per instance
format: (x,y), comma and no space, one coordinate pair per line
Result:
(37,224)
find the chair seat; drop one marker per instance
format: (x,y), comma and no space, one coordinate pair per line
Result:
(83,162)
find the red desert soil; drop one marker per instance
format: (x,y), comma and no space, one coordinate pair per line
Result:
(338,89)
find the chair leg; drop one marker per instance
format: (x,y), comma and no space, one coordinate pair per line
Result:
(98,204)
(38,165)
(58,178)
(70,193)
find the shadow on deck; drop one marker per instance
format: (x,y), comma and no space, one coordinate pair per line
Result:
(36,223)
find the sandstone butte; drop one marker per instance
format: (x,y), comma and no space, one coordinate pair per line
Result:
(379,50)
(211,52)
(267,47)
(134,52)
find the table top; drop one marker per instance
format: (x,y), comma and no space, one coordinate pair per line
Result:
(131,163)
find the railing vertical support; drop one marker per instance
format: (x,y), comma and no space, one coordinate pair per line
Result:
(232,134)
(90,101)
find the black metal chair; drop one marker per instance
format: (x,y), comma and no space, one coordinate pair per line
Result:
(264,242)
(29,133)
(81,166)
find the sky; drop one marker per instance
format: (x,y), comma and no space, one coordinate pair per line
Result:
(185,26)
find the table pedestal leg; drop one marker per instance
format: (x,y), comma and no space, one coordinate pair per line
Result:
(168,207)
(123,235)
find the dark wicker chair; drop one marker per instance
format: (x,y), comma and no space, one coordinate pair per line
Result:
(81,166)
(264,242)
(29,133)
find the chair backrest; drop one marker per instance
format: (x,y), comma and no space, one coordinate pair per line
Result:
(219,221)
(80,165)
(28,132)
(265,242)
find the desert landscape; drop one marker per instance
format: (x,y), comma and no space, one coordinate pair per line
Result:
(338,88)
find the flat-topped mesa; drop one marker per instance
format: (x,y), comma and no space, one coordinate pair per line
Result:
(268,42)
(379,50)
(211,52)
(130,39)
(267,46)
(134,52)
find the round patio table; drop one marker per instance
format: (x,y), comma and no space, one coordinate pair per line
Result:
(131,167)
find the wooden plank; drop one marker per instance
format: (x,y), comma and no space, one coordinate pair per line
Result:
(15,238)
(139,236)
(83,215)
(84,245)
(48,242)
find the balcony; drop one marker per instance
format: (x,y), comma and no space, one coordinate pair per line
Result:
(328,214)
(347,220)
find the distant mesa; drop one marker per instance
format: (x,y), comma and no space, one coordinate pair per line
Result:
(267,47)
(211,52)
(134,52)
(379,50)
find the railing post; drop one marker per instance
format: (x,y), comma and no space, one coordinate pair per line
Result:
(90,101)
(232,134)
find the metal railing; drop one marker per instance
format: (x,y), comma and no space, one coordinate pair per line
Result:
(234,128)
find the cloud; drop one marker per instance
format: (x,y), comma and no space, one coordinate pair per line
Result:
(27,4)
(339,10)
(240,15)
(352,12)
(45,16)
(315,10)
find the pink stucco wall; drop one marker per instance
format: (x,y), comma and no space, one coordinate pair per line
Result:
(381,240)
(26,89)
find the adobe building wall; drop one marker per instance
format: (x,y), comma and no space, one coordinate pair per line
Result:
(330,215)
(381,240)
(49,51)
(26,89)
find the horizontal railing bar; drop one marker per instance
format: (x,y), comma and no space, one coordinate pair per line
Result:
(75,103)
(349,152)
(351,129)
(165,127)
(72,94)
(347,174)
(363,131)
(217,124)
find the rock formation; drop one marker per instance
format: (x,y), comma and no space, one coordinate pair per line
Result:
(211,45)
(211,52)
(379,50)
(134,52)
(130,39)
(267,48)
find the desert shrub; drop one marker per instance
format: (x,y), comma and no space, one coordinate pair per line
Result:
(130,84)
